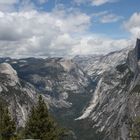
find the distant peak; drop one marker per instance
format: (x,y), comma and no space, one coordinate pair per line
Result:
(7,69)
(138,48)
(138,42)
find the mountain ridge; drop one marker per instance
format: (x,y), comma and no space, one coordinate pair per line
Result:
(100,90)
(115,100)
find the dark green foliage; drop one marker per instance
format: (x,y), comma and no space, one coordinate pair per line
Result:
(82,129)
(7,125)
(135,130)
(40,124)
(136,89)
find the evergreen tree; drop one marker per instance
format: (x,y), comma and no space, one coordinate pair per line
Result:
(7,125)
(40,124)
(135,130)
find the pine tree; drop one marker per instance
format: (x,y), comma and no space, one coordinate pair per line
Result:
(7,125)
(135,130)
(40,124)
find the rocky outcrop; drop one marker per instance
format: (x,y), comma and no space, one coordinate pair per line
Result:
(103,90)
(55,78)
(116,100)
(95,66)
(138,49)
(62,83)
(19,95)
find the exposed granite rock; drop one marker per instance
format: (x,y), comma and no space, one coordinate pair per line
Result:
(19,95)
(116,100)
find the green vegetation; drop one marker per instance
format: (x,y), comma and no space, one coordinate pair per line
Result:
(136,89)
(135,130)
(39,125)
(7,124)
(81,129)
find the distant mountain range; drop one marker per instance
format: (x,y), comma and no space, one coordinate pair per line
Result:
(85,94)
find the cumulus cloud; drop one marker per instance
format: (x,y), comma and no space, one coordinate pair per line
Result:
(132,25)
(8,1)
(60,32)
(56,33)
(110,18)
(38,33)
(94,2)
(13,5)
(7,5)
(97,44)
(101,2)
(106,17)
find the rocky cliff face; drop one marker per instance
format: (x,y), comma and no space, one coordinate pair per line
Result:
(95,66)
(116,100)
(61,82)
(19,95)
(55,78)
(100,90)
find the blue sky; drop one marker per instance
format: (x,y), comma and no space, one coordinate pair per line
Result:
(121,8)
(44,28)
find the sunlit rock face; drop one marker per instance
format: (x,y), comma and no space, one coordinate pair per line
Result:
(58,80)
(64,86)
(103,90)
(116,100)
(10,73)
(55,78)
(19,95)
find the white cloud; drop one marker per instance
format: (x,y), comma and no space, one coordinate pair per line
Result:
(107,18)
(94,2)
(95,44)
(7,5)
(101,2)
(13,5)
(8,1)
(31,32)
(132,25)
(56,33)
(61,32)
